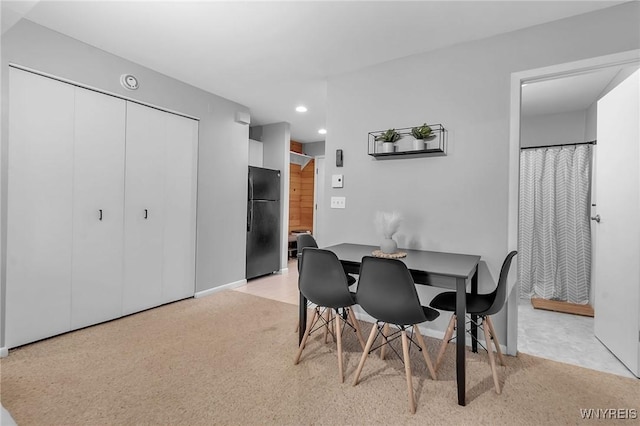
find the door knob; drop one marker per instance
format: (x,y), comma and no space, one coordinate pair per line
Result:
(596,218)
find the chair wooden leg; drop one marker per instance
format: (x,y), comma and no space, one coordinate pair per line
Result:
(495,339)
(306,335)
(365,353)
(356,325)
(425,354)
(445,340)
(338,328)
(407,370)
(327,318)
(385,334)
(492,361)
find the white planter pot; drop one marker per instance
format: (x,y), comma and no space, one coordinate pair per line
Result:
(418,144)
(388,147)
(388,246)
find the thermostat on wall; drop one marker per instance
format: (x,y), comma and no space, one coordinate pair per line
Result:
(129,81)
(336,181)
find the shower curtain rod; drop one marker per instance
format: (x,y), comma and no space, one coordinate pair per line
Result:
(593,142)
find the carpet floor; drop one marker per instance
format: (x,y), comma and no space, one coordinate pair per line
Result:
(228,359)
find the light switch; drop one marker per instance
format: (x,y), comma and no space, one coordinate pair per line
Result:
(338,202)
(336,181)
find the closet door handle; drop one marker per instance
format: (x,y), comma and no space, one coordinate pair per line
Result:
(100,214)
(596,218)
(146,214)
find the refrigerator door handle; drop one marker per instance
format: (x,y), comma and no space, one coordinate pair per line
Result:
(250,187)
(249,216)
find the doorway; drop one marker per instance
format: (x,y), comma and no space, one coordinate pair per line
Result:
(522,315)
(301,188)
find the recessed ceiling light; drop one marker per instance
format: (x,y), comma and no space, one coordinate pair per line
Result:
(322,131)
(301,108)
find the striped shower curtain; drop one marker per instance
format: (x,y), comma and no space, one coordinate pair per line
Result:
(554,241)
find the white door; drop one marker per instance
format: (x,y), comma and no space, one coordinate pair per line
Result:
(143,219)
(39,208)
(179,253)
(617,235)
(98,203)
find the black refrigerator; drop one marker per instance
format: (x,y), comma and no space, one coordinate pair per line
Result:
(263,222)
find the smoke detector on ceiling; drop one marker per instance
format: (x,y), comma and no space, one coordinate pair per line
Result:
(129,81)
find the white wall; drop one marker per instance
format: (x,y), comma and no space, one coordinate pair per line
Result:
(223,148)
(459,202)
(313,149)
(553,129)
(276,139)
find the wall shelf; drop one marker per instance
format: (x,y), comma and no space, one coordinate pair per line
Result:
(435,146)
(300,159)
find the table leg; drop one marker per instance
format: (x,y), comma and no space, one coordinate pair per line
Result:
(302,318)
(474,318)
(461,303)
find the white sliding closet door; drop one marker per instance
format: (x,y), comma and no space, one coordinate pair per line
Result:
(101,207)
(178,273)
(160,202)
(144,208)
(39,208)
(98,208)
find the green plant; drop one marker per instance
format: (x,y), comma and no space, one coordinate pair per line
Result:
(389,136)
(421,132)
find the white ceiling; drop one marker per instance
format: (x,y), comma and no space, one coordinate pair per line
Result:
(272,56)
(572,93)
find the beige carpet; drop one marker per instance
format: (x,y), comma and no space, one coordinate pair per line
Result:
(228,359)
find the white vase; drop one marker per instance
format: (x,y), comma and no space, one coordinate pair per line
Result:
(388,246)
(418,144)
(388,146)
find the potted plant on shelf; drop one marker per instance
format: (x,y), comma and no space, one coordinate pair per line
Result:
(420,134)
(388,139)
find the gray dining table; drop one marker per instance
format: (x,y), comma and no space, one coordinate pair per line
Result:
(452,271)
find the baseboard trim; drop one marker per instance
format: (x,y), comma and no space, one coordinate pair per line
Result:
(560,306)
(220,288)
(4,352)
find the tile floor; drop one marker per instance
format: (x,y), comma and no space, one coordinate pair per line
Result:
(565,338)
(5,418)
(552,335)
(281,287)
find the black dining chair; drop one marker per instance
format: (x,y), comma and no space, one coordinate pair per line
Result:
(323,282)
(482,305)
(307,240)
(386,291)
